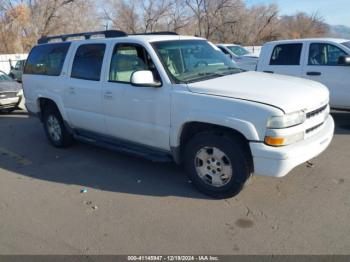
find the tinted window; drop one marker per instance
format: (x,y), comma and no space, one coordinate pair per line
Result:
(47,59)
(288,54)
(127,59)
(88,62)
(324,54)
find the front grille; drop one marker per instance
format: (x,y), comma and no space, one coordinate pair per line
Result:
(316,112)
(8,95)
(313,128)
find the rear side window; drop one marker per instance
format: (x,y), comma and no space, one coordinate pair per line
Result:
(287,54)
(88,62)
(46,59)
(324,54)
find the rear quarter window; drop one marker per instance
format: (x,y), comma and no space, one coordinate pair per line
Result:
(46,59)
(286,54)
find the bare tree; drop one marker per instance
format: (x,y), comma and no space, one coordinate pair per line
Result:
(22,22)
(124,15)
(178,16)
(302,25)
(154,12)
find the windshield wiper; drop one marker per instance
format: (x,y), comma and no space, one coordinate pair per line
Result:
(231,70)
(208,75)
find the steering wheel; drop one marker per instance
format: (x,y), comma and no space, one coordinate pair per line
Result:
(201,64)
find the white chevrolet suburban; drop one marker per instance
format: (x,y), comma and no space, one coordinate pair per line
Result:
(326,60)
(168,97)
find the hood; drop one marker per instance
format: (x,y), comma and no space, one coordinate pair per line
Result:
(10,86)
(287,93)
(251,55)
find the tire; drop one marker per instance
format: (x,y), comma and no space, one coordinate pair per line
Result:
(218,165)
(55,129)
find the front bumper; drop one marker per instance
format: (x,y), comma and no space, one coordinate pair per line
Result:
(279,161)
(7,103)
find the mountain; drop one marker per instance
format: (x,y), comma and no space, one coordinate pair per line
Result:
(340,31)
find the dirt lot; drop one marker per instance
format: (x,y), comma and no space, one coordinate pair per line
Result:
(133,206)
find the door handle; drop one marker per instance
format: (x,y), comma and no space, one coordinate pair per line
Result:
(313,73)
(71,90)
(270,72)
(108,95)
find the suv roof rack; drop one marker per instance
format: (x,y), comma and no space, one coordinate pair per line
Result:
(158,33)
(86,35)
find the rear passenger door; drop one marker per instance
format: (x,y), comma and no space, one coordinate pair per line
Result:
(323,66)
(286,59)
(139,114)
(84,88)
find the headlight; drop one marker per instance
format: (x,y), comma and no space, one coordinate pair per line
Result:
(285,121)
(20,93)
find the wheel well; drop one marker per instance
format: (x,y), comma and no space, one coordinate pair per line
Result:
(44,103)
(193,128)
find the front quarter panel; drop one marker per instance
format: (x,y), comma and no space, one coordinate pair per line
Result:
(248,118)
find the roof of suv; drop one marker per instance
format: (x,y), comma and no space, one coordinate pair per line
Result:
(141,37)
(156,38)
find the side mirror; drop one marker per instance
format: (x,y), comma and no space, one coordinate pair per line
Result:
(344,60)
(144,78)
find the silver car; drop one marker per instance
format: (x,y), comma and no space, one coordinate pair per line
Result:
(10,93)
(243,58)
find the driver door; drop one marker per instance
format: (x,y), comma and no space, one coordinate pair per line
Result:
(135,113)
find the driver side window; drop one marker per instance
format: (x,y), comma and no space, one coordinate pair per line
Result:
(127,59)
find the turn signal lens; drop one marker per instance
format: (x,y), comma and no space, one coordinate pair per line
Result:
(284,141)
(274,141)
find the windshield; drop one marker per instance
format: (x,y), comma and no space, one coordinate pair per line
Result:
(347,44)
(193,60)
(238,50)
(4,77)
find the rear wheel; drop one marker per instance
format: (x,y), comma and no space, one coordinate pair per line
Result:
(218,165)
(55,129)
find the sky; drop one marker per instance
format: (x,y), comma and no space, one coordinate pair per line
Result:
(335,12)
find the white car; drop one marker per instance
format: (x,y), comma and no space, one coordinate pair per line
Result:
(243,58)
(170,97)
(326,60)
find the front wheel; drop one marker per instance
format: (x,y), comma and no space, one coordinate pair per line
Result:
(217,164)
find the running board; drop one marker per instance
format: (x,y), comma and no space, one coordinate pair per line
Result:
(127,148)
